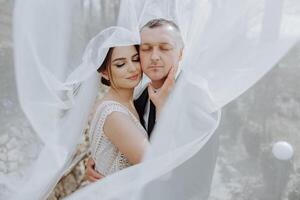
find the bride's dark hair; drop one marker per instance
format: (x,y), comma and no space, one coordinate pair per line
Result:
(106,65)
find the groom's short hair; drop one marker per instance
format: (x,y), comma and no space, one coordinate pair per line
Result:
(154,23)
(160,22)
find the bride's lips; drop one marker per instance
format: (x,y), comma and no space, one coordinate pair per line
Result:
(134,77)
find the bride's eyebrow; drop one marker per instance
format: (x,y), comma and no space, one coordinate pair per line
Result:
(118,59)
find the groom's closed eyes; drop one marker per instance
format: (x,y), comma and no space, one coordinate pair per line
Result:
(161,46)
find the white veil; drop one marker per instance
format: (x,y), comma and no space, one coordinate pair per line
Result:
(229,45)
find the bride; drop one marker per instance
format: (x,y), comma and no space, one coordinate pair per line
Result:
(117,138)
(224,57)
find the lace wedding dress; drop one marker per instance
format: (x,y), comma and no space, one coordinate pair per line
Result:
(229,46)
(108,159)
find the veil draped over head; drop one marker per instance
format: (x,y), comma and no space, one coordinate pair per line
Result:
(229,45)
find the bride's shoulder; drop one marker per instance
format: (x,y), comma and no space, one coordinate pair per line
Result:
(108,105)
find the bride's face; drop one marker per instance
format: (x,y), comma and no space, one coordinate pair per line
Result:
(125,67)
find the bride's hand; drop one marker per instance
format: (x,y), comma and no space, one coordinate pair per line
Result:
(160,97)
(91,174)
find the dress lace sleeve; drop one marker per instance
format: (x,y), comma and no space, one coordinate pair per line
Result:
(97,123)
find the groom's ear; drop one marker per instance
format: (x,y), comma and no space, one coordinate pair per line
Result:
(104,74)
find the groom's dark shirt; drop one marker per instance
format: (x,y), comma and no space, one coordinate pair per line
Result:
(140,105)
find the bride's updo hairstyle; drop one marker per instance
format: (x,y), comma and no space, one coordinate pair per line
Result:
(106,65)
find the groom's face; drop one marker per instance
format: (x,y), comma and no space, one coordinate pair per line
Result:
(160,50)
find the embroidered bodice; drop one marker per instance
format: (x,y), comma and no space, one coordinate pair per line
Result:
(108,159)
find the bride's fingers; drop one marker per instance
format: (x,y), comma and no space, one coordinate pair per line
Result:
(159,98)
(171,76)
(90,162)
(90,179)
(169,82)
(93,176)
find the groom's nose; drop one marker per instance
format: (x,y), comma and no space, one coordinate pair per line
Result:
(132,67)
(155,55)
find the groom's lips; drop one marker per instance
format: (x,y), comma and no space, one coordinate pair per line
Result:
(154,67)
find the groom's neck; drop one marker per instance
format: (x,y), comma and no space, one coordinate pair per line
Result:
(158,84)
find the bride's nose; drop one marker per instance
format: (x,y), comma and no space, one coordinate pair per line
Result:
(132,67)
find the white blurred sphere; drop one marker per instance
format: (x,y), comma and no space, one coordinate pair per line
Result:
(282,150)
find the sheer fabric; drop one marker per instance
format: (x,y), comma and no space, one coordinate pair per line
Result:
(229,45)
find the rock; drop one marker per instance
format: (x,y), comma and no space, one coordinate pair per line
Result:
(12,166)
(13,155)
(3,150)
(3,157)
(7,103)
(13,143)
(21,159)
(14,130)
(3,139)
(3,167)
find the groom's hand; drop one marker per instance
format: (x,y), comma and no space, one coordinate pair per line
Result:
(160,97)
(91,174)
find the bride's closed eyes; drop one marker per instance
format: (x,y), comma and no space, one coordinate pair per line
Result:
(120,62)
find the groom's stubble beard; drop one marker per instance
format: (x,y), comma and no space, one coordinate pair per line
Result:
(159,75)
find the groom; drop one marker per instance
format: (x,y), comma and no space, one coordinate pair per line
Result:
(160,52)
